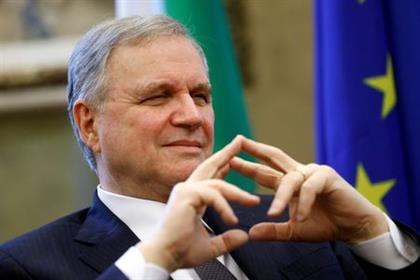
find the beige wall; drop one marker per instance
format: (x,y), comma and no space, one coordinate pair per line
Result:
(280,98)
(41,171)
(42,174)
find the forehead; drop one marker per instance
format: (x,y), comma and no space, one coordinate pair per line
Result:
(162,58)
(174,49)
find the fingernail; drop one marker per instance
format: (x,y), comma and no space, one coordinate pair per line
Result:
(299,217)
(271,211)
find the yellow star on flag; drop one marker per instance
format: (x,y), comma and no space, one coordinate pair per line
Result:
(386,85)
(373,192)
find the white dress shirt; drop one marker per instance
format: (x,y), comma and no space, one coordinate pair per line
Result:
(142,217)
(392,250)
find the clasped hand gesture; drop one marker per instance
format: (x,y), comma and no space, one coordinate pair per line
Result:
(322,206)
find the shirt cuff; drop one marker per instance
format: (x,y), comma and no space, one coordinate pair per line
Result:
(392,250)
(133,265)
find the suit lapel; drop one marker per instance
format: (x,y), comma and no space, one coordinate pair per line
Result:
(103,237)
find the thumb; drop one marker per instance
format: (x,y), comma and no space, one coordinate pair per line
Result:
(228,241)
(270,232)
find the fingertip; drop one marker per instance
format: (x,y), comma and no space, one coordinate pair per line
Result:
(238,138)
(273,213)
(234,159)
(253,196)
(241,234)
(275,210)
(230,219)
(256,232)
(301,214)
(235,238)
(300,218)
(251,200)
(252,230)
(234,220)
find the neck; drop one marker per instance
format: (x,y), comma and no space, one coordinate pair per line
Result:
(145,190)
(140,192)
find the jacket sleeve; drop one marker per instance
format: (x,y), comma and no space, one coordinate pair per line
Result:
(112,273)
(352,264)
(406,273)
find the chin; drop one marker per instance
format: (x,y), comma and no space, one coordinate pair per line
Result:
(181,173)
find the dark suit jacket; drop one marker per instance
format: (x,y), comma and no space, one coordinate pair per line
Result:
(85,244)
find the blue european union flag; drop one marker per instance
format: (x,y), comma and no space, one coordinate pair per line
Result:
(368,99)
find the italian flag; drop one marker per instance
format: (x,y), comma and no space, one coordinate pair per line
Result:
(208,23)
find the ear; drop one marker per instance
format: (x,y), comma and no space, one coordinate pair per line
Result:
(86,119)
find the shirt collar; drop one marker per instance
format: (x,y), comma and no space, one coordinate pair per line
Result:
(140,215)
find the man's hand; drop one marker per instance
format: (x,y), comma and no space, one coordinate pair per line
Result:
(322,205)
(182,240)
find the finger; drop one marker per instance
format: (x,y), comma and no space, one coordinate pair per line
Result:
(213,198)
(272,231)
(289,185)
(273,156)
(262,174)
(217,192)
(222,172)
(228,241)
(211,166)
(264,232)
(309,191)
(233,193)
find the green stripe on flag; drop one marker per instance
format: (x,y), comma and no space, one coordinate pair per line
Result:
(207,21)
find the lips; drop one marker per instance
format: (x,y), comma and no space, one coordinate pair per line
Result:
(185,143)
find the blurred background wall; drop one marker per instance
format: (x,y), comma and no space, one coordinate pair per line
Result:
(42,173)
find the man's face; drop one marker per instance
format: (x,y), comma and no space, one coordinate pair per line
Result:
(156,124)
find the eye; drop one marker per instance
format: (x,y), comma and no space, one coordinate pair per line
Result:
(156,99)
(201,98)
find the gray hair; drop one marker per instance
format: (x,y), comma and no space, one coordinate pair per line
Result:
(87,64)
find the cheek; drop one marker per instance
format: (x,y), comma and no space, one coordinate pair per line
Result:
(125,130)
(209,120)
(209,129)
(145,128)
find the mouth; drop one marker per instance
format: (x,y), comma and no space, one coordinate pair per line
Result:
(185,143)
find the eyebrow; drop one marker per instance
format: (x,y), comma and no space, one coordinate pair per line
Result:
(206,87)
(154,86)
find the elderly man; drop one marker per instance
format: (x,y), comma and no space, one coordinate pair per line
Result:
(140,105)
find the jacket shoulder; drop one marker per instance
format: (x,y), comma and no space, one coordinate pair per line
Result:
(46,236)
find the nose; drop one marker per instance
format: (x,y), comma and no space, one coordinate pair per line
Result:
(187,113)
